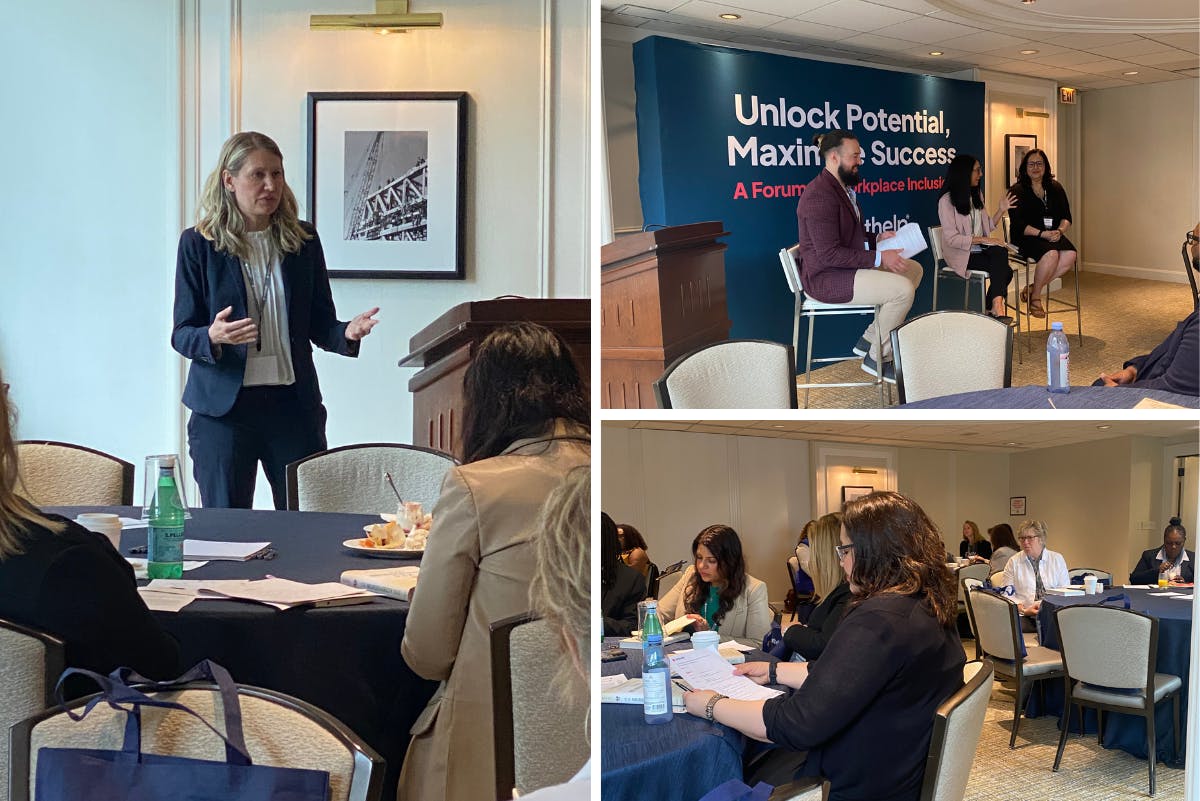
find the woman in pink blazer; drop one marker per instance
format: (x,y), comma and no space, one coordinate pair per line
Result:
(968,242)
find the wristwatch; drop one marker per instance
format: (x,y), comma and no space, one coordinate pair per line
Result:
(712,702)
(772,670)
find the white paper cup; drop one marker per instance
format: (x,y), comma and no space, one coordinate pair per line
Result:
(102,523)
(706,639)
(1089,584)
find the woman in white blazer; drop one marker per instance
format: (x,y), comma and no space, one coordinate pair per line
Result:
(968,240)
(716,592)
(1035,569)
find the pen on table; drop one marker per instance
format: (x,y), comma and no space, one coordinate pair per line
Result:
(1051,402)
(681,686)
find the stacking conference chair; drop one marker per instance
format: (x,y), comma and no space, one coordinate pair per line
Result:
(30,664)
(539,739)
(734,374)
(1110,655)
(280,731)
(350,478)
(965,585)
(812,309)
(957,727)
(998,632)
(1102,575)
(946,352)
(1190,268)
(64,474)
(943,271)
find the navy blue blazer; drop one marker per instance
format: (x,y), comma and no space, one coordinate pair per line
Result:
(207,281)
(1146,571)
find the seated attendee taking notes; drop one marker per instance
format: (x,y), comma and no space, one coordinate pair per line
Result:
(716,592)
(809,639)
(1034,570)
(1171,562)
(621,587)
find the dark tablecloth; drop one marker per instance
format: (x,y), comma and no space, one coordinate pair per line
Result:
(345,660)
(1128,732)
(677,761)
(1038,397)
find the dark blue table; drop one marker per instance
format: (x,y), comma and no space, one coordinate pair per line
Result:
(345,660)
(677,761)
(1038,397)
(1174,641)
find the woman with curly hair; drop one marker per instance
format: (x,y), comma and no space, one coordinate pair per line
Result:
(716,592)
(864,711)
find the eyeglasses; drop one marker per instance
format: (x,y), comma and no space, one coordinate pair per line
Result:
(1029,539)
(842,550)
(1035,164)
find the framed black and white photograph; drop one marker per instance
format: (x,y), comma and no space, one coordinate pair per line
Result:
(1015,148)
(1016,506)
(387,182)
(850,493)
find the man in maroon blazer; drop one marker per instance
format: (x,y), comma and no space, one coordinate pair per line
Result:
(840,262)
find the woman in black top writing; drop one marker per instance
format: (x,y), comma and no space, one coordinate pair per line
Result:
(864,711)
(1039,225)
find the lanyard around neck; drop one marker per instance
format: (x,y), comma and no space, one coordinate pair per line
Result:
(259,295)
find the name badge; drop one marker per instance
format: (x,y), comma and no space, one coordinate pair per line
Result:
(1048,222)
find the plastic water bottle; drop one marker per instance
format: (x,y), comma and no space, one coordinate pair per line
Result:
(1058,360)
(656,673)
(164,537)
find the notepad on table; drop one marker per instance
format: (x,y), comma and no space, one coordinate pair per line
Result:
(394,582)
(276,592)
(1064,591)
(214,550)
(631,691)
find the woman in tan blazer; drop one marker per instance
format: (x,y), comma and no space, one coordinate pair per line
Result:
(526,423)
(717,592)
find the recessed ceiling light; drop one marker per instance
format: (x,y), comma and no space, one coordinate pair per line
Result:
(1012,444)
(730,16)
(1028,52)
(1028,2)
(1131,72)
(935,52)
(778,425)
(1104,427)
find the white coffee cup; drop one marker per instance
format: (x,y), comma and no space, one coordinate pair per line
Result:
(102,523)
(706,639)
(1089,584)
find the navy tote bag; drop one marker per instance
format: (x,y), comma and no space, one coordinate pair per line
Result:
(69,774)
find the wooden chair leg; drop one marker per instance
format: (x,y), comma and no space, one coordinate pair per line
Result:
(1018,707)
(1062,737)
(1151,745)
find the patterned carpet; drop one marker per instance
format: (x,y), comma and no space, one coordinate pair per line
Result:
(1089,772)
(1122,317)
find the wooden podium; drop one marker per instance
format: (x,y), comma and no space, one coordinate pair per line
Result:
(662,293)
(443,349)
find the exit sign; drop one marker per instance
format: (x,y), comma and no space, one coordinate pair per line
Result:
(1067,94)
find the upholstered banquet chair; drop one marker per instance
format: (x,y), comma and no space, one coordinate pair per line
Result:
(539,736)
(350,478)
(734,374)
(957,726)
(30,663)
(280,731)
(63,474)
(998,632)
(947,352)
(1110,655)
(1102,575)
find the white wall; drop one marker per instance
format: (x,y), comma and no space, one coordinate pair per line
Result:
(954,486)
(1141,177)
(103,175)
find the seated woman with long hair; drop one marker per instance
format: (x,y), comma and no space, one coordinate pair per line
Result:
(716,592)
(525,427)
(633,548)
(809,639)
(59,578)
(863,712)
(621,587)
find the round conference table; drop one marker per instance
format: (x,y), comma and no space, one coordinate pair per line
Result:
(1128,732)
(343,659)
(1038,397)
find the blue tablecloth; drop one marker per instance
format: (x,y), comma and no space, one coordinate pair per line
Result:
(1128,732)
(345,660)
(677,761)
(1038,397)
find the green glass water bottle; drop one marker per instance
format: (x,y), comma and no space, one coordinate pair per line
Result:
(164,538)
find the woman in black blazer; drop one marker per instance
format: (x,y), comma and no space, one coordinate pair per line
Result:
(251,298)
(621,587)
(59,578)
(809,639)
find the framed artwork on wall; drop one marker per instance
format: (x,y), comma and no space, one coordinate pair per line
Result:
(1015,148)
(1016,506)
(387,182)
(850,493)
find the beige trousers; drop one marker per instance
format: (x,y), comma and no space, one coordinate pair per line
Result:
(893,294)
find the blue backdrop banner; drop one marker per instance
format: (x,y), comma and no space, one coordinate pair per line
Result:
(727,135)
